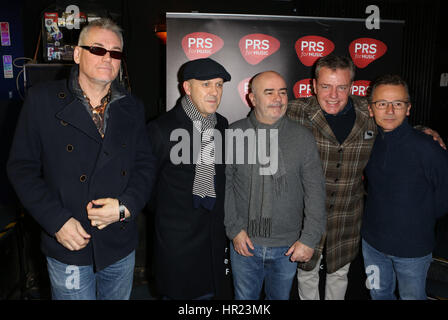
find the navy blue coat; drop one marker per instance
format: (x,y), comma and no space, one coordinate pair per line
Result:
(407,185)
(189,242)
(59,162)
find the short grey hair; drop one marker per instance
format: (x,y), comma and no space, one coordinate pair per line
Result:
(103,23)
(334,63)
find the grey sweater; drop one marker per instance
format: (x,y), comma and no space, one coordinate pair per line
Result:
(298,213)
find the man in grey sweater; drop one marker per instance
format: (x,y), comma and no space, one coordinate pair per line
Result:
(275,194)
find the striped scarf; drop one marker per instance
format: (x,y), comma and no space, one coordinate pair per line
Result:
(204,178)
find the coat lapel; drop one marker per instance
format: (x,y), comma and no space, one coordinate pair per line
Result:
(316,116)
(116,139)
(359,126)
(74,113)
(182,118)
(183,121)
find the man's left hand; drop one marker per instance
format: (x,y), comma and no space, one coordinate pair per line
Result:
(105,213)
(300,252)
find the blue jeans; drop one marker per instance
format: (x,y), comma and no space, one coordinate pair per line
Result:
(268,264)
(383,271)
(69,282)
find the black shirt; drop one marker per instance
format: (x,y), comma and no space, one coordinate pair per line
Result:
(342,122)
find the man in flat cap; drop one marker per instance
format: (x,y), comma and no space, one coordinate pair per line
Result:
(189,194)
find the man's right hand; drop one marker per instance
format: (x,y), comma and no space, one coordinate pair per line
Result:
(72,235)
(240,243)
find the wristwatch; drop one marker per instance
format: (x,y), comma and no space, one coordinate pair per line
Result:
(122,211)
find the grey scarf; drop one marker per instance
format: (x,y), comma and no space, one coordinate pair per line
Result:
(264,189)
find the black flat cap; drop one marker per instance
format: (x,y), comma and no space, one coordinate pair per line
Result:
(204,69)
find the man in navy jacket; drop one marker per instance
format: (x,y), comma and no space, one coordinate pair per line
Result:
(82,166)
(407,177)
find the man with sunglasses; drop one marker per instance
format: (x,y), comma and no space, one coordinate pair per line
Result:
(81,165)
(407,186)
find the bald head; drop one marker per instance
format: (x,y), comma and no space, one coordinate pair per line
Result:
(260,77)
(268,96)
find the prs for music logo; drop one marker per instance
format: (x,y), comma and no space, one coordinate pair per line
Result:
(256,47)
(243,90)
(360,87)
(303,88)
(311,48)
(366,50)
(199,45)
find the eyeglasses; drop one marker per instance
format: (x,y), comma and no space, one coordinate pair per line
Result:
(99,51)
(397,104)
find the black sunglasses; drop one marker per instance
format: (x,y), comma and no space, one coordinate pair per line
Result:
(99,51)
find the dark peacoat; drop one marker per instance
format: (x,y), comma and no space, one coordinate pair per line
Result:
(189,243)
(59,162)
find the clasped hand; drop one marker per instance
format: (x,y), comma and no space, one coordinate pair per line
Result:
(101,213)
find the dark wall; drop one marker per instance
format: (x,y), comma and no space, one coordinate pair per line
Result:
(425,50)
(424,45)
(439,106)
(146,53)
